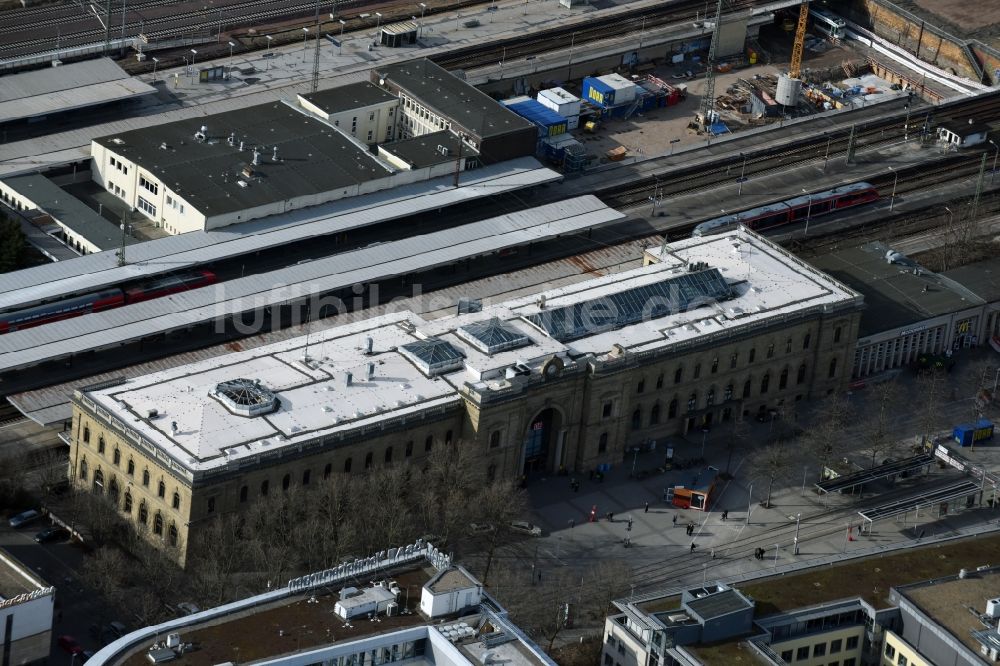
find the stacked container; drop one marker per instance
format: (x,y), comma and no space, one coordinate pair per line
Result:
(563,103)
(548,121)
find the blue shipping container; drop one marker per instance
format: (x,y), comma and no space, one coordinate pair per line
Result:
(598,92)
(966,435)
(548,121)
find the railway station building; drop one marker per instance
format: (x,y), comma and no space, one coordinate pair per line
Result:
(568,379)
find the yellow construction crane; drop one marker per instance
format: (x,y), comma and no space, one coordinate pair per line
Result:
(800,39)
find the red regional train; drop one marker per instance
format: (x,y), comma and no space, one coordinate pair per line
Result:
(792,210)
(106,299)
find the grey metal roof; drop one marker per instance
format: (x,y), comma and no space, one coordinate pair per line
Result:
(351,96)
(981,278)
(492,336)
(719,604)
(425,150)
(312,157)
(95,271)
(452,97)
(68,210)
(374,263)
(67,87)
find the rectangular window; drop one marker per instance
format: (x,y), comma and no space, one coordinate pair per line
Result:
(146,207)
(786,656)
(606,410)
(819,650)
(149,185)
(835,646)
(371,116)
(902,661)
(890,651)
(852,643)
(802,653)
(370,132)
(850,662)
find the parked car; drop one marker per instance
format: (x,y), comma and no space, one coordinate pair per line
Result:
(117,628)
(52,533)
(480,528)
(69,645)
(524,527)
(187,608)
(24,518)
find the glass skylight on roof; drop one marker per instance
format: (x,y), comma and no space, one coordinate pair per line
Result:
(492,336)
(433,356)
(605,313)
(244,397)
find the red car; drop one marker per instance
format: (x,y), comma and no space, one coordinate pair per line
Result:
(69,645)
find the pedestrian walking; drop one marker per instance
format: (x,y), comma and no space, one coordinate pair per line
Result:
(572,523)
(539,576)
(675,520)
(611,516)
(630,522)
(646,508)
(725,514)
(627,541)
(693,546)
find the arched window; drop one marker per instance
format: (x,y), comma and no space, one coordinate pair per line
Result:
(659,381)
(788,346)
(172,534)
(145,477)
(143,512)
(637,418)
(678,375)
(83,469)
(176,502)
(733,359)
(833,367)
(447,437)
(305,477)
(765,382)
(753,355)
(802,374)
(286,481)
(158,524)
(211,505)
(494,439)
(127,504)
(347,465)
(161,489)
(710,397)
(836,334)
(805,340)
(654,414)
(328,470)
(86,434)
(783,378)
(244,491)
(368,460)
(715,365)
(264,487)
(388,455)
(98,481)
(428,443)
(113,491)
(641,386)
(491,472)
(130,468)
(770,350)
(100,444)
(692,402)
(602,443)
(672,408)
(409,449)
(746,388)
(697,370)
(117,456)
(728,394)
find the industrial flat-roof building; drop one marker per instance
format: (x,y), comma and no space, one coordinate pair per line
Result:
(363,110)
(27,606)
(566,379)
(433,99)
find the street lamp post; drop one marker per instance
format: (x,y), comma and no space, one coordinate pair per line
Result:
(776,556)
(809,209)
(743,171)
(951,216)
(906,127)
(704,436)
(340,48)
(232,45)
(749,502)
(194,52)
(826,157)
(798,518)
(895,181)
(995,155)
(378,23)
(569,67)
(672,142)
(305,35)
(420,26)
(267,53)
(156,61)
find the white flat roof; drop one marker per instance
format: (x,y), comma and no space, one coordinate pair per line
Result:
(316,402)
(95,271)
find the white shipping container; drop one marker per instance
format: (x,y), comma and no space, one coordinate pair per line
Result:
(515,100)
(560,101)
(624,89)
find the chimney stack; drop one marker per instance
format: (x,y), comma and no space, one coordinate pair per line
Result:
(371,370)
(348,379)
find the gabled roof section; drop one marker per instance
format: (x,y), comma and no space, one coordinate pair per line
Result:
(433,356)
(492,336)
(613,311)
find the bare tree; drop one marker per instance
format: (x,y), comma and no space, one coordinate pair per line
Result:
(931,388)
(824,438)
(737,438)
(495,506)
(771,463)
(877,434)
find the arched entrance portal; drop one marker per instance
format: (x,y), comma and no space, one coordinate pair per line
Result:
(543,442)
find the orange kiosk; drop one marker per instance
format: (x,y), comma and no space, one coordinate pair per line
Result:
(698,496)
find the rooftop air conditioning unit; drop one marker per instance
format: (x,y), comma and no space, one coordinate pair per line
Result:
(993,608)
